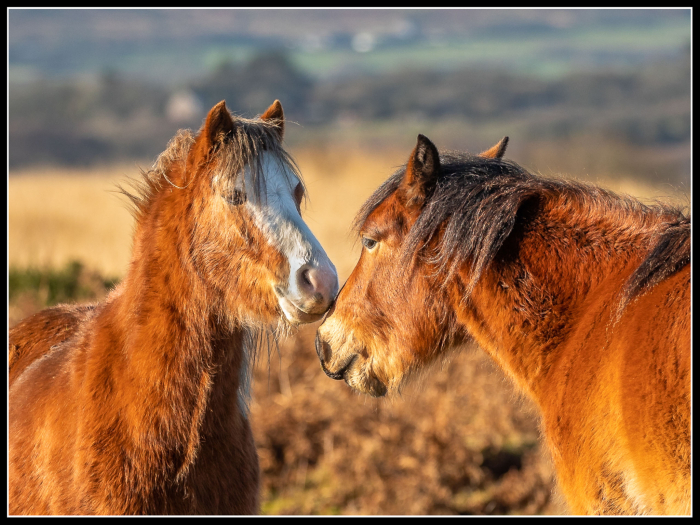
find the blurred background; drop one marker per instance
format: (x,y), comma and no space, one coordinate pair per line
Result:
(95,95)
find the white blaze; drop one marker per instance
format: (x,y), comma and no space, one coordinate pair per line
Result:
(275,213)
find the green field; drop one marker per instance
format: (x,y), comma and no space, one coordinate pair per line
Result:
(548,55)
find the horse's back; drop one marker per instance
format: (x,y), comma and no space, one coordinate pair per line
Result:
(655,392)
(33,337)
(39,403)
(617,410)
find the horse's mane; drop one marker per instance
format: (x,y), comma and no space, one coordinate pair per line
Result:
(244,146)
(476,200)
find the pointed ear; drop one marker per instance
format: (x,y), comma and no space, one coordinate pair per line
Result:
(217,125)
(497,151)
(275,115)
(422,172)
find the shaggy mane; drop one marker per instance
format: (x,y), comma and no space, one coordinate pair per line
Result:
(475,204)
(245,146)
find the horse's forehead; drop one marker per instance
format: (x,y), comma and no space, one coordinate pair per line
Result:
(278,173)
(387,214)
(277,177)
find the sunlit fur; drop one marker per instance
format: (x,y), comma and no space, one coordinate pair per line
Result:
(580,295)
(136,405)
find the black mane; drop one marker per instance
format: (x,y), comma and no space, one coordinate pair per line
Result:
(476,200)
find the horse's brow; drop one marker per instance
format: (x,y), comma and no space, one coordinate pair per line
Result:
(373,231)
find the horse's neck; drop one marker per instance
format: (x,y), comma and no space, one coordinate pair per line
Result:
(528,302)
(177,356)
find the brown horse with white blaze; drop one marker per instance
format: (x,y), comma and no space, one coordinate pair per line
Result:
(137,405)
(581,296)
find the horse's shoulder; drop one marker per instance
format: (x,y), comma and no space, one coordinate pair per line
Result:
(664,309)
(33,337)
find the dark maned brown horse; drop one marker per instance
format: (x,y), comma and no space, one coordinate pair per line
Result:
(138,404)
(581,296)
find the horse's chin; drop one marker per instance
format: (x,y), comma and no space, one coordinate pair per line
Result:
(295,315)
(365,383)
(348,365)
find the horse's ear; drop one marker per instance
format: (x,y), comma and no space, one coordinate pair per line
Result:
(497,151)
(422,171)
(218,124)
(275,115)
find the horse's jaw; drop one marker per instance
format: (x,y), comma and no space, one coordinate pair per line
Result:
(347,363)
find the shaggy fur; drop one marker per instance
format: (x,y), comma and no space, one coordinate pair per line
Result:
(581,296)
(136,405)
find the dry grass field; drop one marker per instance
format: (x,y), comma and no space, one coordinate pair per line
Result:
(458,441)
(59,214)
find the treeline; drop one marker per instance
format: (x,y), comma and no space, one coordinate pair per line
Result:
(79,121)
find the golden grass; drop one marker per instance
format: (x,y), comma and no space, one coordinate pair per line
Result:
(56,215)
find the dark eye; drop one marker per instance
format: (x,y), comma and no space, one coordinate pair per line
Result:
(368,243)
(236,197)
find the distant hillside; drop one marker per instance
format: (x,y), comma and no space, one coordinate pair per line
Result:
(96,86)
(110,117)
(172,46)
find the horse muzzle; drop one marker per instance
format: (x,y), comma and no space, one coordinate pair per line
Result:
(349,369)
(324,349)
(310,293)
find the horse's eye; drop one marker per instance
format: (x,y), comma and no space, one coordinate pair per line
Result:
(236,197)
(368,243)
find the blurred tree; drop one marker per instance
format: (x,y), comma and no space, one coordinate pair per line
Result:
(252,87)
(86,120)
(110,116)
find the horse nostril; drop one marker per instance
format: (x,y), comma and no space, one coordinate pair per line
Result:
(323,350)
(308,281)
(319,346)
(305,278)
